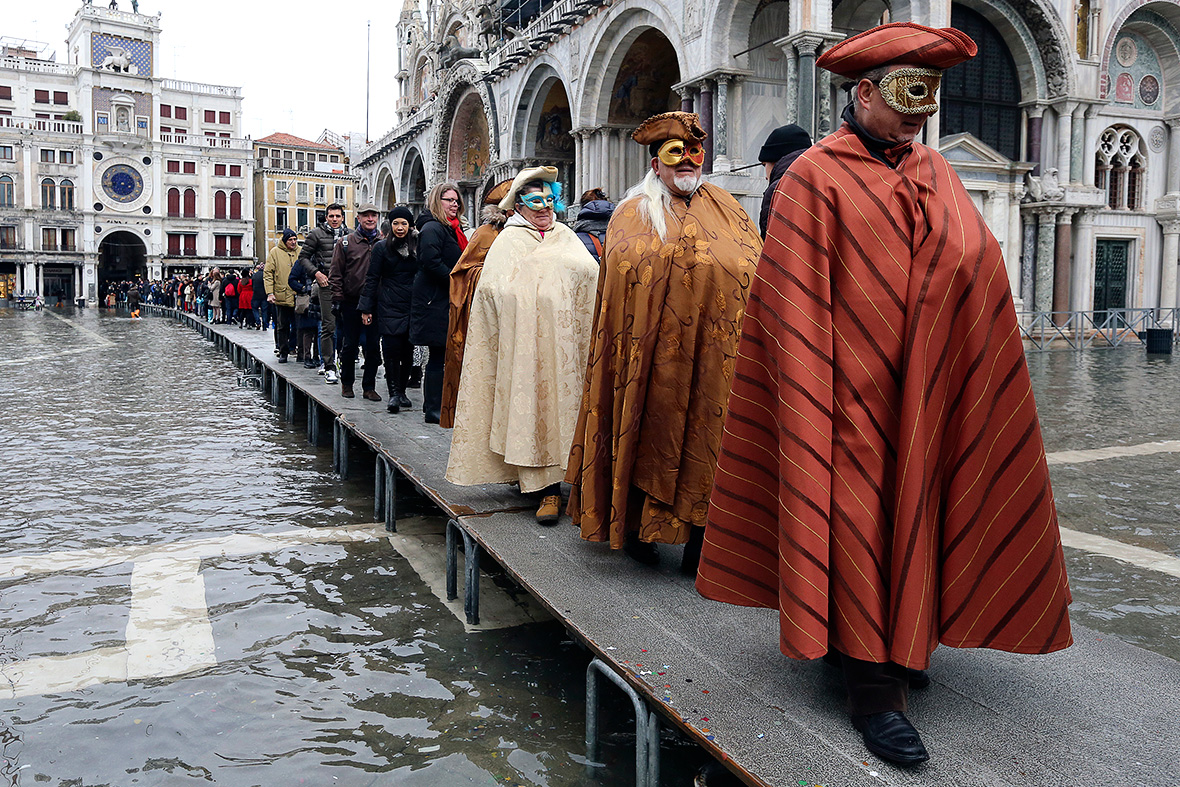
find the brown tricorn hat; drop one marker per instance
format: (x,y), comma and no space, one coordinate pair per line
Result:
(497,192)
(669,125)
(898,43)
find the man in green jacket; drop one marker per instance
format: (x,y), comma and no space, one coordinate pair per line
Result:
(278,292)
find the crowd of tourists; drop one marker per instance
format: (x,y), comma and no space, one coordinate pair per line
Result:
(838,425)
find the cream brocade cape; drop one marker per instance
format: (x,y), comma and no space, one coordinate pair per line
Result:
(528,341)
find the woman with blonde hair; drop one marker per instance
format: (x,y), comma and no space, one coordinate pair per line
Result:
(440,243)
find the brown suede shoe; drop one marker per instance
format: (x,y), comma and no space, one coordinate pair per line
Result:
(550,510)
(372,396)
(346,391)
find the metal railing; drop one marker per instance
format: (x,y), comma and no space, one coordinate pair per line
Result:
(1085,330)
(41,124)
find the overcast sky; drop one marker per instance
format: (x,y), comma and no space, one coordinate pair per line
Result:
(300,64)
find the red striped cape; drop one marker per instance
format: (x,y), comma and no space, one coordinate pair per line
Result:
(882,479)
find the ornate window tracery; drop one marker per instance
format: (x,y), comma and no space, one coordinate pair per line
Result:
(1120,168)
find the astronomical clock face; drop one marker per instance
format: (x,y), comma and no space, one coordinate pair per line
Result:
(122,184)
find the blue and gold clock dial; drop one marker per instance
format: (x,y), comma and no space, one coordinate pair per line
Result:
(122,183)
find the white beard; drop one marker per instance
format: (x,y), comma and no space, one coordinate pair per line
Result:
(688,184)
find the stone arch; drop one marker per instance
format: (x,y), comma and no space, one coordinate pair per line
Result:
(413,178)
(609,48)
(544,100)
(1038,42)
(122,256)
(543,72)
(856,16)
(1158,23)
(468,144)
(463,78)
(385,189)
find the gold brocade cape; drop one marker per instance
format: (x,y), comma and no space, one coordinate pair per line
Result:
(665,337)
(527,342)
(464,278)
(882,480)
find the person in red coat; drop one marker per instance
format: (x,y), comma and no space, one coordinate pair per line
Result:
(245,296)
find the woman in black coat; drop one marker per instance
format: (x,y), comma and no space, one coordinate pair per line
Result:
(440,242)
(385,300)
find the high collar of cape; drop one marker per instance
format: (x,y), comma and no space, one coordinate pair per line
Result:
(892,154)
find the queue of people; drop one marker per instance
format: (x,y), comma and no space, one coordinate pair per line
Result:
(838,426)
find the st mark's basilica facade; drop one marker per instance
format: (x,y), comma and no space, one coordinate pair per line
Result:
(1064,129)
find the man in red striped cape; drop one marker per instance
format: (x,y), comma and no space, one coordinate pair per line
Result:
(882,480)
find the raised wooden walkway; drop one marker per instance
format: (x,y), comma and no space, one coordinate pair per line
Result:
(1100,713)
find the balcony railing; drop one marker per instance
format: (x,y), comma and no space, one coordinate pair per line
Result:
(227,143)
(38,66)
(201,87)
(41,124)
(1083,330)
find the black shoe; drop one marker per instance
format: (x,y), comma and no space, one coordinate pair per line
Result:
(404,401)
(309,364)
(642,551)
(917,677)
(282,359)
(890,735)
(392,407)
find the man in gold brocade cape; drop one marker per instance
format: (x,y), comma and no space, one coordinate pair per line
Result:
(679,257)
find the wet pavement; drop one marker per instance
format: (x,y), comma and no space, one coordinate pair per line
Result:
(334,662)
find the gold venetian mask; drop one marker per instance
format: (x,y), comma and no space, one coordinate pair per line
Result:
(674,151)
(913,91)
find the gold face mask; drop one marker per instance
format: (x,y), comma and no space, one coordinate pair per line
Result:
(912,91)
(674,151)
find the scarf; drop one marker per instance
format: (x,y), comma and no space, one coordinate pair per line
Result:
(368,235)
(459,233)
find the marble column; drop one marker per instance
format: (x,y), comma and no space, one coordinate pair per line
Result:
(1173,154)
(721,126)
(1062,259)
(1043,293)
(1088,162)
(807,47)
(823,120)
(1171,257)
(1036,121)
(707,122)
(1082,297)
(1028,257)
(792,83)
(1077,167)
(578,186)
(685,99)
(40,279)
(1064,141)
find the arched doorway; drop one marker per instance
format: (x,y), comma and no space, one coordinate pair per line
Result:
(641,87)
(122,256)
(549,141)
(386,192)
(767,91)
(469,152)
(982,96)
(414,183)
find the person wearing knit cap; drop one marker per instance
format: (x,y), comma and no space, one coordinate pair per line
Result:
(678,259)
(882,480)
(346,276)
(464,278)
(782,147)
(385,301)
(527,341)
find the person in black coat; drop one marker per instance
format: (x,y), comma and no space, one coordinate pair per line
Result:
(440,242)
(782,147)
(385,301)
(307,323)
(592,220)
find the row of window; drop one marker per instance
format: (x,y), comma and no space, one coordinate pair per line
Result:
(184,244)
(297,155)
(283,192)
(48,155)
(184,205)
(53,195)
(52,238)
(190,168)
(301,217)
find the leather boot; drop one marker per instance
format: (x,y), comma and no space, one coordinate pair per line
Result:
(415,378)
(432,383)
(394,405)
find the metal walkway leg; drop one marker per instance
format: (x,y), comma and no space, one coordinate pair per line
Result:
(290,402)
(453,530)
(647,726)
(340,449)
(313,421)
(471,552)
(378,488)
(390,488)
